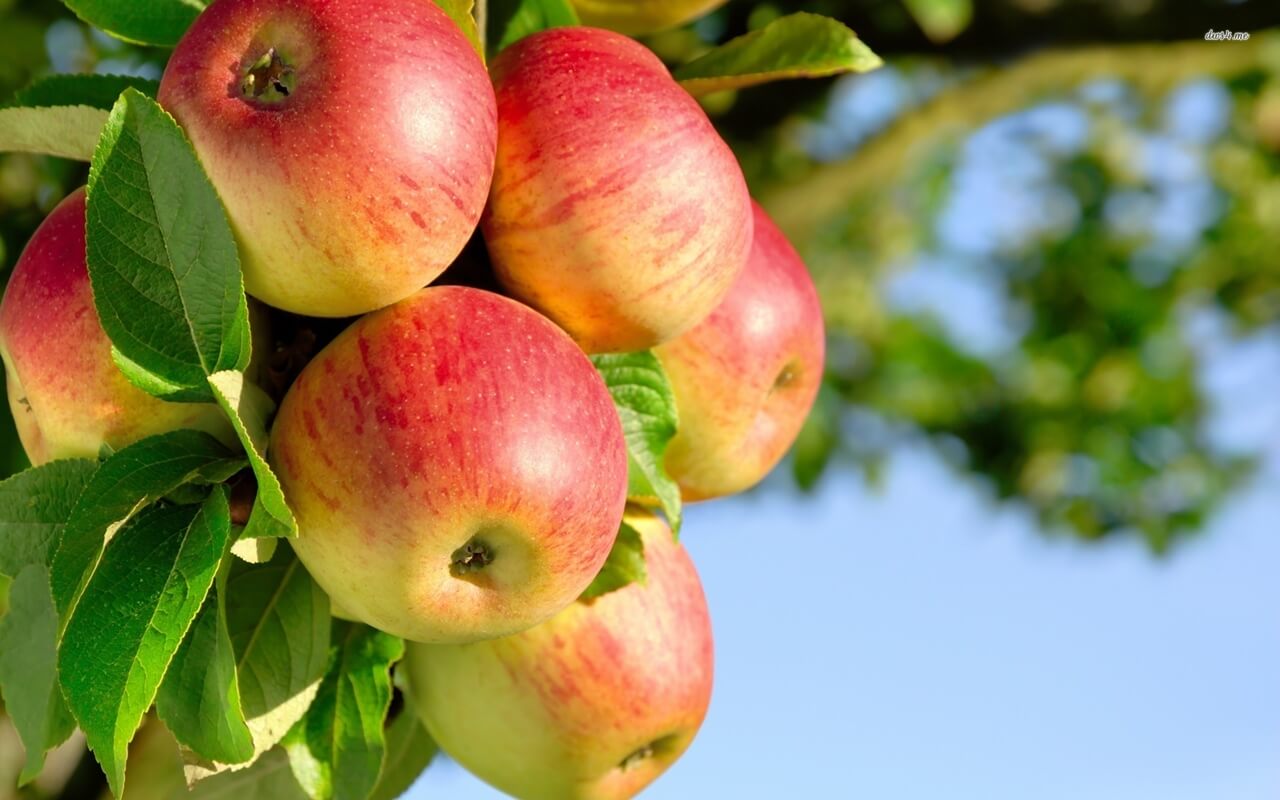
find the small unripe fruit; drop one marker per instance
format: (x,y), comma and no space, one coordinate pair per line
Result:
(616,208)
(456,466)
(351,141)
(593,704)
(67,396)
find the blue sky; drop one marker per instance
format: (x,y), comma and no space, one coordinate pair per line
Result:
(922,642)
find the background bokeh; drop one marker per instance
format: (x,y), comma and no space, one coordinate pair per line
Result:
(1026,544)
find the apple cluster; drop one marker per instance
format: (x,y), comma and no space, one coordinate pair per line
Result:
(454,460)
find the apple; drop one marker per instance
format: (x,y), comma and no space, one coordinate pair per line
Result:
(351,141)
(636,17)
(616,208)
(595,703)
(67,396)
(456,466)
(745,378)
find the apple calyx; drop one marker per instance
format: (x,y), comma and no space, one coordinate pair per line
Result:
(270,79)
(644,753)
(473,556)
(786,376)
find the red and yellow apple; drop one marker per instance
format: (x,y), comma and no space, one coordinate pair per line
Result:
(456,466)
(67,396)
(351,141)
(636,17)
(745,378)
(616,208)
(593,704)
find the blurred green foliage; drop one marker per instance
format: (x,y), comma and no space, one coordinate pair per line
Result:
(1099,200)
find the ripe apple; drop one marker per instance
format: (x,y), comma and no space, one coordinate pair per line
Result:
(351,141)
(593,704)
(636,17)
(67,396)
(745,378)
(456,466)
(616,208)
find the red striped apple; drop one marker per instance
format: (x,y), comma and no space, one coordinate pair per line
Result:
(352,142)
(593,704)
(616,208)
(456,466)
(745,378)
(67,396)
(636,17)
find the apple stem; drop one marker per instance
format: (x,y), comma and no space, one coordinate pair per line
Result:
(473,556)
(482,20)
(269,80)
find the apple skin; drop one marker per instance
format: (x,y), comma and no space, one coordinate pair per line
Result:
(67,396)
(637,17)
(552,713)
(616,208)
(745,378)
(454,416)
(364,183)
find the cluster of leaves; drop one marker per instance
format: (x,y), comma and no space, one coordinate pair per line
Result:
(137,581)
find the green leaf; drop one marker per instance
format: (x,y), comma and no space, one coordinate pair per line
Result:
(131,478)
(199,700)
(801,45)
(28,668)
(512,20)
(135,613)
(460,11)
(255,550)
(94,91)
(34,505)
(278,621)
(63,115)
(647,406)
(154,22)
(941,20)
(410,750)
(249,408)
(336,750)
(268,779)
(162,259)
(624,565)
(62,131)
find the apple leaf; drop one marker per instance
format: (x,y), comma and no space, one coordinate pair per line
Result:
(278,622)
(800,45)
(162,260)
(75,89)
(199,699)
(624,565)
(135,612)
(63,115)
(410,750)
(62,131)
(336,749)
(131,478)
(28,668)
(269,778)
(511,20)
(460,12)
(647,406)
(249,408)
(154,22)
(34,505)
(254,549)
